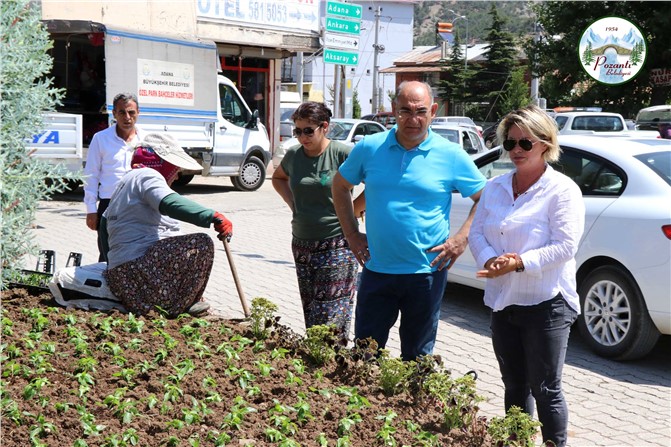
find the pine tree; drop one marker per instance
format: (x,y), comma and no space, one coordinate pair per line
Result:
(636,52)
(356,105)
(491,79)
(587,56)
(517,93)
(25,94)
(455,88)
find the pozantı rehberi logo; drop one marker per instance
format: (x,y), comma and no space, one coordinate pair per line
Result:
(612,50)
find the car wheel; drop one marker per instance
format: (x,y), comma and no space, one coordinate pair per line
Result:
(183,179)
(252,175)
(615,322)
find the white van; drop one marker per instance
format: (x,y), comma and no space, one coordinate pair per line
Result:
(179,92)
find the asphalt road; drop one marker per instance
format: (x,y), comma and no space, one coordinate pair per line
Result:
(611,403)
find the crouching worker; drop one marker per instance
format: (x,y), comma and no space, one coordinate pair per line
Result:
(151,265)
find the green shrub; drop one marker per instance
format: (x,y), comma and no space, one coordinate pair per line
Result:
(26,93)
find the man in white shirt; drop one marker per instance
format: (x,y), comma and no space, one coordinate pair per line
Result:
(109,158)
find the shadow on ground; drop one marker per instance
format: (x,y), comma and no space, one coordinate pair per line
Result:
(463,307)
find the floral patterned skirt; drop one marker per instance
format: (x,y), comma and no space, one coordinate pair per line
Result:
(171,275)
(327,275)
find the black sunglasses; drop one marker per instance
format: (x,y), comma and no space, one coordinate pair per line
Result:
(308,131)
(525,144)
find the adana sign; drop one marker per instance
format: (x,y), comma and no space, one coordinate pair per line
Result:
(342,28)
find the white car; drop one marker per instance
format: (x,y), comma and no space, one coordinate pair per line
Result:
(464,136)
(589,122)
(624,258)
(348,131)
(463,120)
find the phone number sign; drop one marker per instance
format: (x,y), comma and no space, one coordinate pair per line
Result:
(296,15)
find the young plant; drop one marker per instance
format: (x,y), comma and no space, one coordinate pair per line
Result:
(394,373)
(320,343)
(302,409)
(457,398)
(133,325)
(88,420)
(41,429)
(346,424)
(262,317)
(127,375)
(233,420)
(516,429)
(386,433)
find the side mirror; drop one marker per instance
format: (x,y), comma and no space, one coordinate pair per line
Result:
(357,138)
(253,122)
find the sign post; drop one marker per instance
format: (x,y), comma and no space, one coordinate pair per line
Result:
(342,27)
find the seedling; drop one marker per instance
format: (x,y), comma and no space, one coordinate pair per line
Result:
(394,373)
(320,343)
(262,317)
(516,429)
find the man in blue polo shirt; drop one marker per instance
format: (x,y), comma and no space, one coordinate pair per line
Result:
(409,173)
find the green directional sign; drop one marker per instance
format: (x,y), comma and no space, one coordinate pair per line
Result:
(343,26)
(340,57)
(343,9)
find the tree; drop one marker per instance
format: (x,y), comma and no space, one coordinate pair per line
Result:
(587,55)
(565,82)
(490,81)
(455,88)
(356,106)
(516,94)
(25,94)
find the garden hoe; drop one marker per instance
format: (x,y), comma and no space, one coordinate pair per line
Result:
(238,286)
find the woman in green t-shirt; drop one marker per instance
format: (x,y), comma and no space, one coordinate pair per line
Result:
(325,266)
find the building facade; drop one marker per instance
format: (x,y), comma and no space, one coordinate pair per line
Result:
(252,37)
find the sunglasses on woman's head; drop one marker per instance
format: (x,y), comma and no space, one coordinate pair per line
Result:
(308,131)
(525,144)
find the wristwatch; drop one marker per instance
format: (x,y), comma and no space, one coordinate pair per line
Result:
(519,265)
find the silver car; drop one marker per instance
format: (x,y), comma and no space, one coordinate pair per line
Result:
(624,257)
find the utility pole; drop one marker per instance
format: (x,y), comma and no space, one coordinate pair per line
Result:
(377,48)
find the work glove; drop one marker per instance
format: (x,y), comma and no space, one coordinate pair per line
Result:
(222,226)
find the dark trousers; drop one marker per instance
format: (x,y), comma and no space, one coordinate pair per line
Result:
(102,206)
(530,344)
(416,296)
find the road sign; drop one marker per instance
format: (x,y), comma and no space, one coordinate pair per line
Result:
(341,57)
(341,41)
(343,26)
(343,10)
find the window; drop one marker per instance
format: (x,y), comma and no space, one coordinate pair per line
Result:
(232,107)
(595,176)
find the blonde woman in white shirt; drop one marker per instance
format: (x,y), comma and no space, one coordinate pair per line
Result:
(525,235)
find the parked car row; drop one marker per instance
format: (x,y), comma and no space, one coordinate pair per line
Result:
(347,131)
(624,257)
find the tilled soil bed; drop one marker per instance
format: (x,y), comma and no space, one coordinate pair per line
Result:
(85,378)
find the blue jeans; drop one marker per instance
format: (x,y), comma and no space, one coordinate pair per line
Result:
(530,344)
(416,296)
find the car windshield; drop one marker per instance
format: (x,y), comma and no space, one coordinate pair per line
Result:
(450,134)
(659,162)
(285,114)
(339,131)
(561,121)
